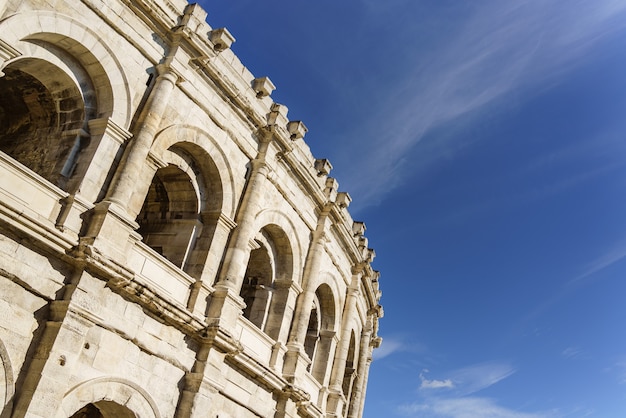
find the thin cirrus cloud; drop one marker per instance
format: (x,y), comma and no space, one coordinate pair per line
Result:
(500,47)
(469,407)
(474,378)
(453,397)
(388,347)
(611,256)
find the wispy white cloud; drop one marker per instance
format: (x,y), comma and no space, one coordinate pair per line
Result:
(470,379)
(453,396)
(499,48)
(612,256)
(468,407)
(434,384)
(477,377)
(618,369)
(388,347)
(393,344)
(572,352)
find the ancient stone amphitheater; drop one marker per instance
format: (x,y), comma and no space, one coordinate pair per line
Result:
(169,246)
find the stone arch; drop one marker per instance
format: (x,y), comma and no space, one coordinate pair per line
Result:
(109,393)
(182,205)
(7,383)
(333,297)
(43,114)
(284,223)
(268,279)
(205,148)
(169,220)
(321,335)
(23,30)
(60,76)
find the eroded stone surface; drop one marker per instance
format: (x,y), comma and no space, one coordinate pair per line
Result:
(169,247)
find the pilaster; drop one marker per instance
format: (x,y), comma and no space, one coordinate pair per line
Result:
(296,359)
(365,355)
(123,186)
(57,354)
(226,304)
(336,397)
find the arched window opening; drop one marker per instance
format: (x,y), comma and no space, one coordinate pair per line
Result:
(267,280)
(43,118)
(350,370)
(312,335)
(169,221)
(257,288)
(320,354)
(104,409)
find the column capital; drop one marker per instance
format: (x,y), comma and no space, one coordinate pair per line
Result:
(166,72)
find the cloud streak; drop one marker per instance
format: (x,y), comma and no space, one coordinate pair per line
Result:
(498,49)
(388,347)
(470,407)
(454,396)
(480,376)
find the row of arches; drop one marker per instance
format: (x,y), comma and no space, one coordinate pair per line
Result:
(52,90)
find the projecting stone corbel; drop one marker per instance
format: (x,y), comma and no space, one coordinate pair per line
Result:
(358,228)
(376,342)
(296,129)
(323,167)
(263,86)
(277,115)
(343,199)
(221,39)
(362,243)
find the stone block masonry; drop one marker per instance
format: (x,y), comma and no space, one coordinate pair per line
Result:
(169,246)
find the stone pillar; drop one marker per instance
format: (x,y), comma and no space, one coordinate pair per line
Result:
(202,384)
(207,256)
(296,360)
(322,363)
(336,397)
(281,310)
(365,355)
(123,187)
(359,403)
(113,219)
(226,304)
(58,351)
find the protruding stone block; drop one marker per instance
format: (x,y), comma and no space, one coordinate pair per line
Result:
(296,129)
(263,86)
(358,228)
(362,243)
(221,38)
(343,199)
(277,115)
(323,167)
(331,188)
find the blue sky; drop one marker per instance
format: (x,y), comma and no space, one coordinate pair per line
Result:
(484,145)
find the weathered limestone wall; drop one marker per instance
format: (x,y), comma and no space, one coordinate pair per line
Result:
(169,246)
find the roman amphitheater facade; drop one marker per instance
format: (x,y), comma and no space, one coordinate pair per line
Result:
(169,246)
